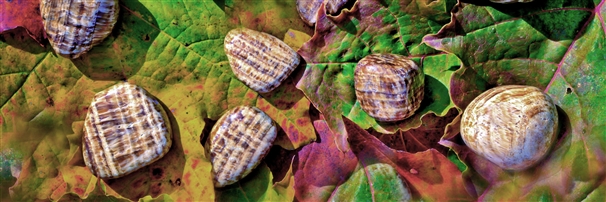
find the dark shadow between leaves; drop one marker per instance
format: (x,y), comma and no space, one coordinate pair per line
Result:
(547,16)
(208,127)
(19,39)
(279,161)
(220,4)
(121,54)
(564,128)
(160,177)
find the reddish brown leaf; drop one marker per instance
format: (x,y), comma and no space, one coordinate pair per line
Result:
(422,138)
(24,14)
(431,175)
(321,166)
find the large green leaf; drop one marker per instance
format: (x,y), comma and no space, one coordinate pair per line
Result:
(557,46)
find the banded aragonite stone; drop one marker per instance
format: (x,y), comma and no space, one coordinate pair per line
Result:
(258,59)
(238,142)
(125,129)
(513,126)
(389,87)
(73,27)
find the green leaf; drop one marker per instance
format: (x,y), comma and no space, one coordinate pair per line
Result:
(174,50)
(557,46)
(376,182)
(257,186)
(313,181)
(429,174)
(375,27)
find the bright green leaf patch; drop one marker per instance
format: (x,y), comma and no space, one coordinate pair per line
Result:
(376,182)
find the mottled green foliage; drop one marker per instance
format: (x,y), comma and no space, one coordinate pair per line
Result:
(376,182)
(557,46)
(174,50)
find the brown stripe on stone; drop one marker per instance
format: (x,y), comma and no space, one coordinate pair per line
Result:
(242,131)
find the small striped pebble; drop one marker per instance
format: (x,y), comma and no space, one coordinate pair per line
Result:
(238,142)
(512,126)
(124,130)
(389,87)
(75,26)
(258,59)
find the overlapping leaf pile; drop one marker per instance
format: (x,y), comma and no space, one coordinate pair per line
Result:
(174,49)
(557,46)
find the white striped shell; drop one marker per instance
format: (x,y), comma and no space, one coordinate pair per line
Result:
(238,142)
(258,59)
(389,87)
(124,130)
(73,27)
(512,126)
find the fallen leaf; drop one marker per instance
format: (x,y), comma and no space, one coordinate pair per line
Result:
(375,27)
(313,181)
(376,182)
(174,50)
(24,14)
(556,46)
(429,174)
(258,186)
(422,138)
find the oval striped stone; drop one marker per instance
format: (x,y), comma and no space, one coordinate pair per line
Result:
(125,129)
(389,87)
(512,126)
(258,59)
(238,142)
(73,27)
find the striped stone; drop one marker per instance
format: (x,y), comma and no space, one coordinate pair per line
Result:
(73,27)
(238,142)
(124,130)
(512,126)
(389,87)
(258,59)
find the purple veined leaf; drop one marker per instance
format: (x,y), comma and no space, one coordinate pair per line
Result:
(322,165)
(435,179)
